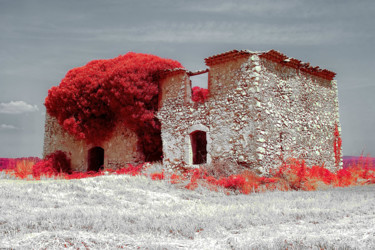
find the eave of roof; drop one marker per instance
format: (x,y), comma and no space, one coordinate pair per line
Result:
(226,56)
(282,59)
(198,72)
(273,56)
(170,72)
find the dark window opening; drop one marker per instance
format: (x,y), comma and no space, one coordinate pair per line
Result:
(95,159)
(199,147)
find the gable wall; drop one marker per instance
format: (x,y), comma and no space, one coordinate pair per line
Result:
(232,112)
(177,115)
(297,116)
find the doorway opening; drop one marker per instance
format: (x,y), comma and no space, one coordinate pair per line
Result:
(95,159)
(199,147)
(151,142)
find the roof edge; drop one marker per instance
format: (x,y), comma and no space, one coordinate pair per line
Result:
(226,56)
(170,72)
(277,57)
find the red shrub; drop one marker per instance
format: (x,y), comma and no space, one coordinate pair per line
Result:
(175,178)
(344,177)
(54,164)
(81,175)
(44,167)
(199,94)
(92,99)
(265,180)
(321,173)
(195,175)
(11,163)
(157,176)
(212,180)
(130,170)
(235,182)
(294,172)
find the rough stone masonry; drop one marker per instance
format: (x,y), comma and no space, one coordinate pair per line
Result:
(263,108)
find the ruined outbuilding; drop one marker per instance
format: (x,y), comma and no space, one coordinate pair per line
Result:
(262,108)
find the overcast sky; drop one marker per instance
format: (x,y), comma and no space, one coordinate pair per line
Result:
(40,40)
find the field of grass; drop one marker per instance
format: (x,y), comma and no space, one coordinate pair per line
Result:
(122,211)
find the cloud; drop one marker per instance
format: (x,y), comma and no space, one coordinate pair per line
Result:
(249,7)
(229,32)
(6,127)
(17,107)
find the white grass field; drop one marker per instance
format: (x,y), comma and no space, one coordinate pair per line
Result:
(110,212)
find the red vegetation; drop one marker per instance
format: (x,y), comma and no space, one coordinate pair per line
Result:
(130,170)
(54,164)
(199,94)
(157,176)
(11,163)
(175,178)
(92,99)
(245,182)
(293,175)
(337,145)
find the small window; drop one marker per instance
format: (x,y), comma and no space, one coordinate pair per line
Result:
(199,147)
(199,80)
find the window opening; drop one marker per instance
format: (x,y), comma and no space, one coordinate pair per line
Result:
(200,80)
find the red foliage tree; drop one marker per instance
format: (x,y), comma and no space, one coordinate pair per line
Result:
(92,99)
(199,94)
(53,164)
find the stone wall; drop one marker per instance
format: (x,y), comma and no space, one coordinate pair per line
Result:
(227,117)
(259,114)
(121,148)
(297,114)
(233,113)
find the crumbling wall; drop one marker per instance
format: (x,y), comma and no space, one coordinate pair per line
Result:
(177,114)
(259,114)
(120,149)
(226,117)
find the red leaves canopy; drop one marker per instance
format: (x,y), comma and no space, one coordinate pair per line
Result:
(199,94)
(92,99)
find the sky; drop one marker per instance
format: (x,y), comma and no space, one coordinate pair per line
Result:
(40,40)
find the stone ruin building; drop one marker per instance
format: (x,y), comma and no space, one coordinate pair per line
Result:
(263,108)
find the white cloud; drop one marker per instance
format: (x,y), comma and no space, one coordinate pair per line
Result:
(17,107)
(6,126)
